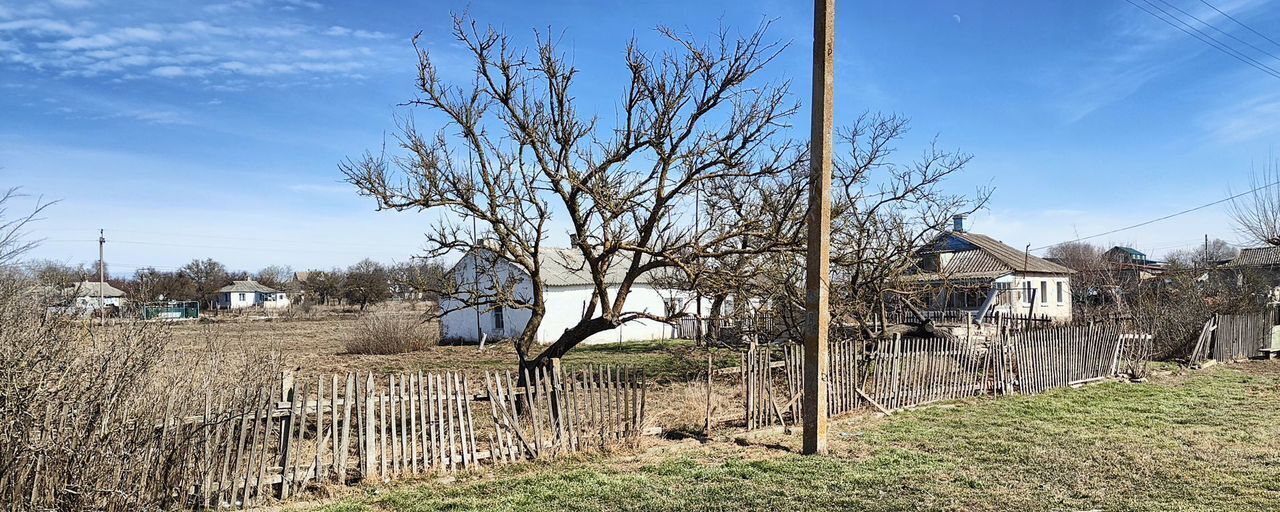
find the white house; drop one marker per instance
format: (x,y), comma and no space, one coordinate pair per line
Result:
(567,295)
(91,295)
(972,272)
(245,294)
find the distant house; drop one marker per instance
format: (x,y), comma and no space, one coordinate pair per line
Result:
(1127,255)
(1128,264)
(247,294)
(300,283)
(91,295)
(976,273)
(567,296)
(1259,264)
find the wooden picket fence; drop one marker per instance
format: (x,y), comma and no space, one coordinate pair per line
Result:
(345,429)
(902,373)
(761,374)
(1065,356)
(1238,337)
(914,372)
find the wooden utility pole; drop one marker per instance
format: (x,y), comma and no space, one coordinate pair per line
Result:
(818,264)
(102,279)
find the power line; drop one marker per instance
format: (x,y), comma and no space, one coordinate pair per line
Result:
(1225,33)
(1238,22)
(1166,217)
(1206,38)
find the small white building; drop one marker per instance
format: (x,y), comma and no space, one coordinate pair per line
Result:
(91,295)
(247,294)
(568,288)
(976,273)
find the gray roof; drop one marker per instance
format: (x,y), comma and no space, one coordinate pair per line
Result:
(1256,257)
(566,267)
(976,256)
(247,286)
(91,289)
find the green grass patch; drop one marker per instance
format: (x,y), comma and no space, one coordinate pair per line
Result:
(660,360)
(1205,441)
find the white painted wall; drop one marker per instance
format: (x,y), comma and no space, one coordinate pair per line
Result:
(564,304)
(92,303)
(1046,303)
(238,300)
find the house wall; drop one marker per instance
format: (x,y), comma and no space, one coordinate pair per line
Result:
(92,303)
(1046,304)
(564,305)
(281,301)
(237,300)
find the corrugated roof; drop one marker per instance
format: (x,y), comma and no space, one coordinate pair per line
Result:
(1014,259)
(1129,250)
(973,261)
(958,277)
(975,256)
(90,289)
(566,267)
(1256,257)
(247,286)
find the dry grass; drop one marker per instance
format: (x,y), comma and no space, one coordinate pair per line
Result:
(1205,440)
(79,402)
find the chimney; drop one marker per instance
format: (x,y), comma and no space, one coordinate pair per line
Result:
(957,223)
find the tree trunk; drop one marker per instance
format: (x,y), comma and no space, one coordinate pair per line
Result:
(571,338)
(713,329)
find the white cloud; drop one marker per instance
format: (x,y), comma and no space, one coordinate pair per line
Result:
(41,26)
(1140,49)
(1244,120)
(340,31)
(246,40)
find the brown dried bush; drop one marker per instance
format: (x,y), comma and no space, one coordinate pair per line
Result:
(387,333)
(81,407)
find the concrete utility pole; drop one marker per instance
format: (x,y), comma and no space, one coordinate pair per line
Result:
(102,278)
(818,263)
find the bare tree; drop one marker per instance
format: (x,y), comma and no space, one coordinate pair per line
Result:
(13,229)
(206,277)
(324,284)
(419,276)
(1202,256)
(1257,212)
(883,211)
(367,282)
(516,152)
(275,276)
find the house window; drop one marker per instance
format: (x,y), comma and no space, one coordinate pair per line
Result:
(242,297)
(1044,292)
(1026,292)
(1059,292)
(499,322)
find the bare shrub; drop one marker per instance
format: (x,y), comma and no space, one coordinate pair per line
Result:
(81,407)
(386,333)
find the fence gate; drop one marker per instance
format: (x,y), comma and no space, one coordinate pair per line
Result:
(1241,336)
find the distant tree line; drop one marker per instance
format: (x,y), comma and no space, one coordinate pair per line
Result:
(364,283)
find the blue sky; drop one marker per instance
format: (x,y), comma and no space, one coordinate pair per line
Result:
(213,130)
